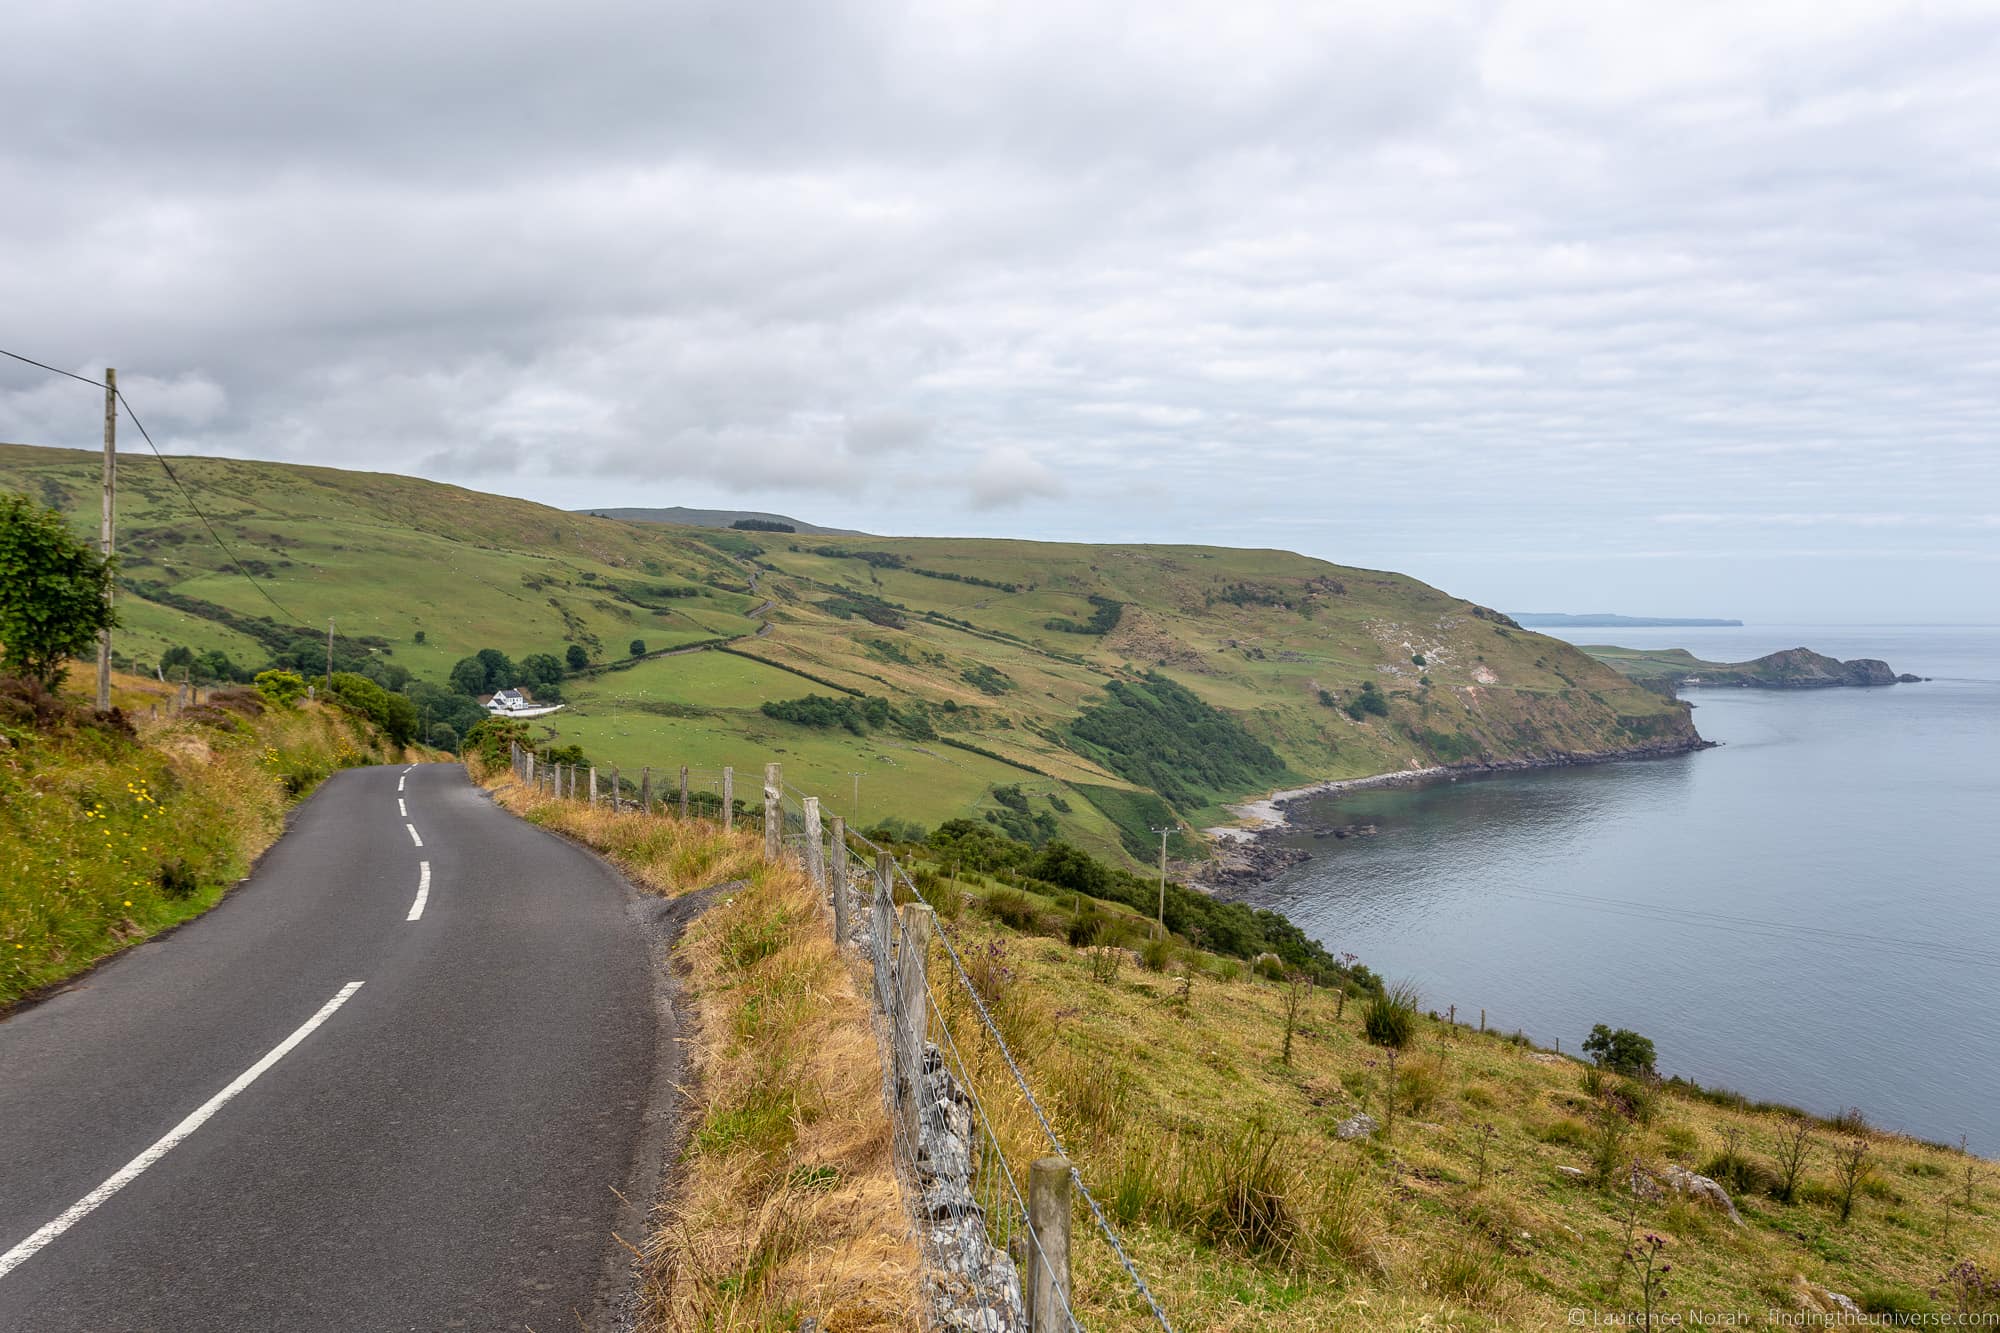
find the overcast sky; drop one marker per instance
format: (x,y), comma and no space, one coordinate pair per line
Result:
(1671,308)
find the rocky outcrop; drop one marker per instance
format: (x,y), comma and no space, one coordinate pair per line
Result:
(1695,1188)
(1243,861)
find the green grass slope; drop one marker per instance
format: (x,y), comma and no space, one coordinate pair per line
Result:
(1079,674)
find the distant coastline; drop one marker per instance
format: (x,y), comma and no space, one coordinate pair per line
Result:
(1245,856)
(1606,620)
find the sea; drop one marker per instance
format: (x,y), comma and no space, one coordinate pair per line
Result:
(1808,913)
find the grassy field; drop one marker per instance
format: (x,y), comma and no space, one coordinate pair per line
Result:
(109,835)
(991,651)
(1492,1196)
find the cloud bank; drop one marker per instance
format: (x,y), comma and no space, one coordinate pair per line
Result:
(1495,293)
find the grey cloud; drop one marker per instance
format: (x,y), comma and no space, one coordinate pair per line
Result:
(1362,275)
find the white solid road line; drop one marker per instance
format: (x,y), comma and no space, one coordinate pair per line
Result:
(126,1174)
(413,834)
(423,890)
(401,808)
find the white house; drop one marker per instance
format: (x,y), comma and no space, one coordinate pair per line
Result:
(517,703)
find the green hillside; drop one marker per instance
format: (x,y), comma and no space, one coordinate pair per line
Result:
(1043,685)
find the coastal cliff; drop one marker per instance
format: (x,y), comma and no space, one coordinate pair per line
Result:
(1792,669)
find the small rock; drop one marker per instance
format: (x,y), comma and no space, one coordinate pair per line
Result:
(1573,1172)
(1356,1127)
(1645,1184)
(1702,1190)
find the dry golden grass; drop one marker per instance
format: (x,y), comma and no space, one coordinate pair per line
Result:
(786,1207)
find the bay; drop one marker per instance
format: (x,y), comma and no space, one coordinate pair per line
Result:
(1807,913)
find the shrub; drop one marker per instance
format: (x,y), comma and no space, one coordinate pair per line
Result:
(1104,960)
(1247,1186)
(1156,953)
(1607,1149)
(1740,1174)
(576,657)
(636,648)
(282,689)
(1012,908)
(1389,1018)
(1622,1051)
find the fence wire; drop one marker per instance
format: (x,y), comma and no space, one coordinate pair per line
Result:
(968,1207)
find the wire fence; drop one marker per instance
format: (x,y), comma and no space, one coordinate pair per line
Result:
(994,1228)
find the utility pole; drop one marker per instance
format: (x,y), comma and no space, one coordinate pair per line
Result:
(329,655)
(857,796)
(1163,832)
(104,537)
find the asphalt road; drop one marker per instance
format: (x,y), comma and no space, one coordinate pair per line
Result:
(437,1150)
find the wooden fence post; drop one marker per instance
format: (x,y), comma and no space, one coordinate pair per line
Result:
(514,757)
(646,789)
(614,790)
(815,856)
(684,791)
(837,877)
(913,1013)
(728,798)
(1048,1251)
(593,784)
(774,814)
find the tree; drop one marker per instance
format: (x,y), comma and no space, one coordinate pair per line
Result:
(500,672)
(418,637)
(53,590)
(541,672)
(636,648)
(576,657)
(468,676)
(1622,1052)
(443,737)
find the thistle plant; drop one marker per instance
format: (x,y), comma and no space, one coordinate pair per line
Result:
(1645,1261)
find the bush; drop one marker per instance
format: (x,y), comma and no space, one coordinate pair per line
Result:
(283,689)
(636,648)
(1389,1018)
(1740,1174)
(1156,953)
(576,657)
(1622,1051)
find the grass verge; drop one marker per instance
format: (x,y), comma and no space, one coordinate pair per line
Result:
(113,829)
(786,1207)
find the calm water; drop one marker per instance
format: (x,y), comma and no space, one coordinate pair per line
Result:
(1807,914)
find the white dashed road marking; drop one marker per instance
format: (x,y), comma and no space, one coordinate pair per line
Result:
(413,834)
(423,890)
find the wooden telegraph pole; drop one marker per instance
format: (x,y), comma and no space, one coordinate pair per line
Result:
(329,655)
(105,536)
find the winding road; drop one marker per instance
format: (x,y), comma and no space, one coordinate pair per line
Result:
(400,1079)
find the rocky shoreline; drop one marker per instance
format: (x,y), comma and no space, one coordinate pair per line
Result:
(1245,855)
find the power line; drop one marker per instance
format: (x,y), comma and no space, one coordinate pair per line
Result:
(226,549)
(51,369)
(214,536)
